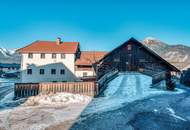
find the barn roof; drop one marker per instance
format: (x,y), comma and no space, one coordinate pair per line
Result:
(50,47)
(133,40)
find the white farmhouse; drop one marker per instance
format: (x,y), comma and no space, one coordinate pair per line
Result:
(48,61)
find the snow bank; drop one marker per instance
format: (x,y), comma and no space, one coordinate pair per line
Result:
(58,98)
(43,111)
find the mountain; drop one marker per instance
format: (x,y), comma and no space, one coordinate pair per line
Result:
(9,56)
(178,55)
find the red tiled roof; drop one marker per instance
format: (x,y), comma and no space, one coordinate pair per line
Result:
(89,57)
(50,47)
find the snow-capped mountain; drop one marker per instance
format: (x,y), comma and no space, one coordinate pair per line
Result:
(178,55)
(9,56)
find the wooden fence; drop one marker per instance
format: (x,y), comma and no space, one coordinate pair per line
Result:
(32,89)
(104,80)
(156,78)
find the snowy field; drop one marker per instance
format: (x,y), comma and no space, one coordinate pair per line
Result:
(128,103)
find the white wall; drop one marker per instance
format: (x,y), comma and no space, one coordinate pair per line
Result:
(36,63)
(80,73)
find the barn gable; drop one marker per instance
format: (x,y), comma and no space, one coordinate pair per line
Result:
(133,56)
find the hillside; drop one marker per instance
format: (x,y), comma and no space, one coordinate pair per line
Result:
(9,56)
(178,55)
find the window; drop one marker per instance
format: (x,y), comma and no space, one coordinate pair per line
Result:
(42,56)
(142,60)
(53,56)
(63,56)
(129,47)
(84,74)
(116,60)
(62,71)
(53,71)
(29,71)
(30,55)
(42,71)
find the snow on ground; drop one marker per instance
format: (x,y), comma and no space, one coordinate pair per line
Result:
(58,98)
(126,88)
(42,111)
(128,102)
(164,111)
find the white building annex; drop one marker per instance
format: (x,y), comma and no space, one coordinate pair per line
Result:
(56,61)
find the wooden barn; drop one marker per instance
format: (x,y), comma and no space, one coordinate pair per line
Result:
(135,56)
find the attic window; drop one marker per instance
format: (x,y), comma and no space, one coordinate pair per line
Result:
(42,55)
(63,56)
(129,47)
(53,56)
(30,55)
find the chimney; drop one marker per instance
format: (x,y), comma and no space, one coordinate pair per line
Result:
(58,41)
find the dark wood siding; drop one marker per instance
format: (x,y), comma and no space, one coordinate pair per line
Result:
(133,56)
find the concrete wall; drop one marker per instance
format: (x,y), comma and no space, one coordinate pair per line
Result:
(36,63)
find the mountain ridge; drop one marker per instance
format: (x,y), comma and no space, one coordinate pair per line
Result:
(9,56)
(178,55)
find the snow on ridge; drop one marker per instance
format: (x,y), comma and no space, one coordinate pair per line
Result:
(7,52)
(150,38)
(58,98)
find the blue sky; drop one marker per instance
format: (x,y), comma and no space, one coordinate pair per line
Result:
(97,25)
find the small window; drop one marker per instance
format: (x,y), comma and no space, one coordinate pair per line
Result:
(62,71)
(129,47)
(84,74)
(30,55)
(42,71)
(29,71)
(42,56)
(116,60)
(63,56)
(53,71)
(53,56)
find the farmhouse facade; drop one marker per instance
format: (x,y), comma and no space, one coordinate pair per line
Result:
(56,61)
